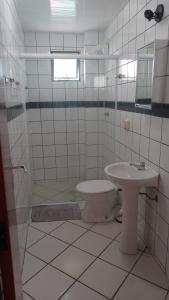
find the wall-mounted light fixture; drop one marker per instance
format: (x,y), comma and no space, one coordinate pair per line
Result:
(157,15)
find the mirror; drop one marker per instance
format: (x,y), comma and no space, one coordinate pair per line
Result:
(145,63)
(151,69)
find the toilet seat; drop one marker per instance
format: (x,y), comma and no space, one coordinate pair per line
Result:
(95,186)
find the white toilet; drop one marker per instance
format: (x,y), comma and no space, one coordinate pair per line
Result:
(98,199)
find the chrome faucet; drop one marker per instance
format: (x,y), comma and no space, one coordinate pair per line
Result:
(139,166)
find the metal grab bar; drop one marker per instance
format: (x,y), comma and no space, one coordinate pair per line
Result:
(20,167)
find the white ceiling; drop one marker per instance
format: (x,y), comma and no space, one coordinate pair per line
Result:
(67,15)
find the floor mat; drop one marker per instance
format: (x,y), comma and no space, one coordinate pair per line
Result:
(57,212)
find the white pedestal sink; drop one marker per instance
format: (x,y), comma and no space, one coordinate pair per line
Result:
(131,179)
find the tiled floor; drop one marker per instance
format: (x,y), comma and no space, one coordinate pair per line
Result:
(52,192)
(77,261)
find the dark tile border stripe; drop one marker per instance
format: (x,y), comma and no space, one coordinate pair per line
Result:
(158,109)
(14,111)
(70,104)
(109,104)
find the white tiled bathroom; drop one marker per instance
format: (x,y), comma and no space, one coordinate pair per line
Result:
(66,143)
(64,131)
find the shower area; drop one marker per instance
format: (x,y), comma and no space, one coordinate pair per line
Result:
(67,119)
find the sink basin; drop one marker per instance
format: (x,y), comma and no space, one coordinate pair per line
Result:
(131,180)
(125,174)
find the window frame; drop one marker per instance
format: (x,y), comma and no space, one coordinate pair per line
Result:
(77,65)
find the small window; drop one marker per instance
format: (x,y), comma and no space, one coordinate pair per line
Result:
(65,69)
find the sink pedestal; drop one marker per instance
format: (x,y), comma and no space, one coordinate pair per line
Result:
(128,243)
(131,179)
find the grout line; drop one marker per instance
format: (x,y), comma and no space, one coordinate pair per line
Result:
(130,273)
(127,275)
(28,225)
(96,257)
(45,234)
(71,221)
(166,296)
(97,292)
(26,281)
(28,295)
(77,279)
(68,245)
(90,252)
(48,263)
(50,230)
(87,230)
(153,283)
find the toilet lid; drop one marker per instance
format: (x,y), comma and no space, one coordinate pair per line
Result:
(95,186)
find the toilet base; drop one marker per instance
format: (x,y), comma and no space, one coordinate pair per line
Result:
(89,217)
(98,200)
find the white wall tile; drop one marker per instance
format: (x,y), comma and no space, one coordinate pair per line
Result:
(144,146)
(44,67)
(47,114)
(145,125)
(154,154)
(31,67)
(42,38)
(49,162)
(60,126)
(56,39)
(34,114)
(35,127)
(69,40)
(141,4)
(48,139)
(161,252)
(80,40)
(61,162)
(141,22)
(37,151)
(38,163)
(43,49)
(59,94)
(60,138)
(30,39)
(59,114)
(155,128)
(92,67)
(45,81)
(36,139)
(163,183)
(45,95)
(39,174)
(165,131)
(32,81)
(91,38)
(163,207)
(49,150)
(61,150)
(50,174)
(33,95)
(71,95)
(47,127)
(162,230)
(164,158)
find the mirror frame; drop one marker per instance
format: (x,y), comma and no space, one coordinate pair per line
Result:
(157,45)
